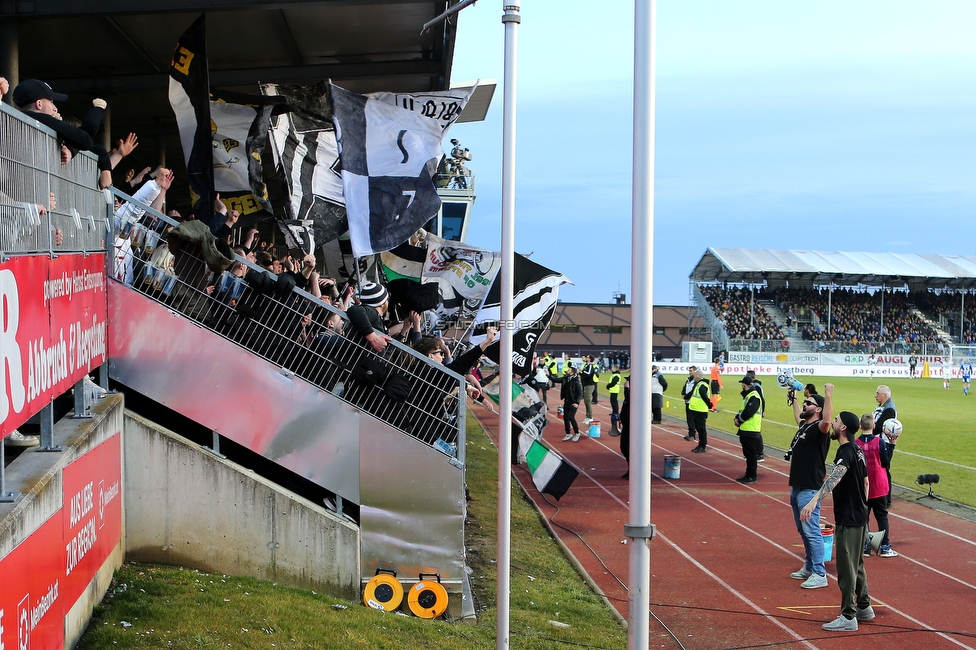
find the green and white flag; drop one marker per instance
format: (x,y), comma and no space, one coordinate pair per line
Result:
(550,473)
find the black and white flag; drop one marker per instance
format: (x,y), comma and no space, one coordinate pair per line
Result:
(305,151)
(536,292)
(189,95)
(389,156)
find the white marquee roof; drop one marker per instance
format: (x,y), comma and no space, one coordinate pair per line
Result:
(737,265)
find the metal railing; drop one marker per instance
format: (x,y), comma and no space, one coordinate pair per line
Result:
(31,175)
(454,181)
(290,328)
(719,336)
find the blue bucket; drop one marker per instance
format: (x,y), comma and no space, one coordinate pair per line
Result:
(828,537)
(594,429)
(672,467)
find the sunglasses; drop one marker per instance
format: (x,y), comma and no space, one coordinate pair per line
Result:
(810,402)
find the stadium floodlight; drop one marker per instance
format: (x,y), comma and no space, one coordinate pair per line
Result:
(929,480)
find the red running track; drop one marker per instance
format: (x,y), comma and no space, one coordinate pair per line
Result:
(721,560)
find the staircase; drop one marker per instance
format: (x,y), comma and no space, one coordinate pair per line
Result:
(272,371)
(945,336)
(797,343)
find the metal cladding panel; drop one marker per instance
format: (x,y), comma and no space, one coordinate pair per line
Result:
(223,387)
(413,507)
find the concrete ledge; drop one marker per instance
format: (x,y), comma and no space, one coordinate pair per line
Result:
(188,507)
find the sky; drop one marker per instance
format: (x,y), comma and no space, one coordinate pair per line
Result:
(829,126)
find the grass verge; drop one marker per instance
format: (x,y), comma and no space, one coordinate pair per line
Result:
(151,606)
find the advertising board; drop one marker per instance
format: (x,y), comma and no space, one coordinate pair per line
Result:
(53,331)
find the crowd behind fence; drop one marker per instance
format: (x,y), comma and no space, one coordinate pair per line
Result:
(46,206)
(290,328)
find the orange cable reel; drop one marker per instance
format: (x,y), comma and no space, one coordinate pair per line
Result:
(427,598)
(383,591)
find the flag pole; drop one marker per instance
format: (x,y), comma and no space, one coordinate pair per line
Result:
(511,20)
(639,528)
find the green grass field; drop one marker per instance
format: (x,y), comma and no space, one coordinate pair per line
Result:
(939,424)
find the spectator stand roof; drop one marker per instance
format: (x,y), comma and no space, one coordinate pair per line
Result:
(807,268)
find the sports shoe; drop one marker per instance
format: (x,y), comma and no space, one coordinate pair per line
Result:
(866,614)
(17,439)
(576,437)
(699,450)
(867,550)
(587,420)
(801,573)
(761,458)
(626,475)
(816,582)
(841,624)
(690,438)
(746,480)
(887,551)
(567,437)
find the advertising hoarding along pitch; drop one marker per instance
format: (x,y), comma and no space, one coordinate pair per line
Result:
(53,330)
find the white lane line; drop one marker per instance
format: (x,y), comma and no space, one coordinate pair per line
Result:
(782,548)
(932,528)
(770,617)
(936,460)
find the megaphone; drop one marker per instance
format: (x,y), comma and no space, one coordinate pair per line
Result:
(874,541)
(788,381)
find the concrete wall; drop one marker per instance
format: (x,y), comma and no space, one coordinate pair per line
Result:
(185,506)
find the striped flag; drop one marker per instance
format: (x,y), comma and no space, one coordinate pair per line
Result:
(536,292)
(551,474)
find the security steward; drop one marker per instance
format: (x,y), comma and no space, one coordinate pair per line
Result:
(614,386)
(699,403)
(749,422)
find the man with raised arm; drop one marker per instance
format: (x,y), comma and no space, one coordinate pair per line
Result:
(849,483)
(808,457)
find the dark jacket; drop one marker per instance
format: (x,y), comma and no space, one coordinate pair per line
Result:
(571,390)
(363,320)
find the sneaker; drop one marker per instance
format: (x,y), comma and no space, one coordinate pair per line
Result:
(17,439)
(745,480)
(576,437)
(866,614)
(690,438)
(887,551)
(699,450)
(841,624)
(761,458)
(655,422)
(96,390)
(867,550)
(587,420)
(816,582)
(567,437)
(801,574)
(626,475)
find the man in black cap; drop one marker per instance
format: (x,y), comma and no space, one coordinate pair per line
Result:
(749,422)
(36,98)
(849,484)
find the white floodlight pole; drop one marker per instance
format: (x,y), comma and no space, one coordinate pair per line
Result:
(639,528)
(511,20)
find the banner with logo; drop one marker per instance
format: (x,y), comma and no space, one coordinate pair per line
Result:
(53,332)
(44,575)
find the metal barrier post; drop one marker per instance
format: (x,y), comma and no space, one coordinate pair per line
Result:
(215,444)
(47,429)
(82,402)
(5,497)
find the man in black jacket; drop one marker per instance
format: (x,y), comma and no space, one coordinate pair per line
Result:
(571,393)
(367,316)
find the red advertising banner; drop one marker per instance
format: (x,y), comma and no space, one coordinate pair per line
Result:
(47,572)
(53,330)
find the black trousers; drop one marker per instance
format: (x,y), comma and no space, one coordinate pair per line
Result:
(691,420)
(569,417)
(614,407)
(699,418)
(880,509)
(752,447)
